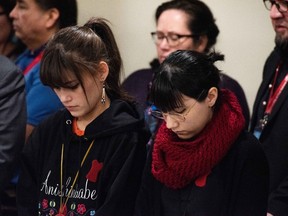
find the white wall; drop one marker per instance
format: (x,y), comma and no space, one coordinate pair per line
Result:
(246,35)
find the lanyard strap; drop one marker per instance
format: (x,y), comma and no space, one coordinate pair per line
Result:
(273,97)
(33,63)
(63,202)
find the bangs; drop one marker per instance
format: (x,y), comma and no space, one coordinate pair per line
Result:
(164,95)
(56,68)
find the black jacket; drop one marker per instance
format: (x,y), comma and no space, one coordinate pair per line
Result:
(274,137)
(120,139)
(237,186)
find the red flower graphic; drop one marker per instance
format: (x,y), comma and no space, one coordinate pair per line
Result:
(44,203)
(81,209)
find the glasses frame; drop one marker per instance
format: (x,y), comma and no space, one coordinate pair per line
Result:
(281,6)
(157,41)
(176,116)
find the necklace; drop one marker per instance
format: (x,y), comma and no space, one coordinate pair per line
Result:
(63,201)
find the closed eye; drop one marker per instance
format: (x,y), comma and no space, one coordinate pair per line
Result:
(72,84)
(179,110)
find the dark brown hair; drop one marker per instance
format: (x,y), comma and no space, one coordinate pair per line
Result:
(79,50)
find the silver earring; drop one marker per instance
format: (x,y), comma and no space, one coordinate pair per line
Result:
(103,97)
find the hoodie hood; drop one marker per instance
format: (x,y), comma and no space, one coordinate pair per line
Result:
(119,117)
(107,172)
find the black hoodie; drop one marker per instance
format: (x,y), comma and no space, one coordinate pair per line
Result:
(109,178)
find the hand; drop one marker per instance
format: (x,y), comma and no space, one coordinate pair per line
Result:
(268,214)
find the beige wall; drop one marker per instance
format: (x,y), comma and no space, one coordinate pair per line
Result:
(246,35)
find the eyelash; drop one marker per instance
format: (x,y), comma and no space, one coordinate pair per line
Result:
(73,86)
(180,111)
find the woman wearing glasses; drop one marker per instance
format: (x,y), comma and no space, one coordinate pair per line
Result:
(180,25)
(202,161)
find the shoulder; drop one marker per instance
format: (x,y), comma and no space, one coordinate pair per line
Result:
(248,147)
(272,61)
(54,121)
(275,55)
(47,135)
(10,75)
(8,68)
(142,73)
(226,80)
(246,156)
(53,127)
(57,117)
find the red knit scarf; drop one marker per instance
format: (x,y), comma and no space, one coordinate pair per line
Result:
(177,162)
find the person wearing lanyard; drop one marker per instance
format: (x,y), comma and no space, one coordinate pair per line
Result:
(270,110)
(34,23)
(87,159)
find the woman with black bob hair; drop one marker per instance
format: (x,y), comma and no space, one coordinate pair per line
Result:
(202,161)
(88,158)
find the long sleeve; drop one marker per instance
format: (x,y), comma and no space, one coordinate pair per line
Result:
(126,177)
(251,190)
(28,184)
(148,202)
(13,117)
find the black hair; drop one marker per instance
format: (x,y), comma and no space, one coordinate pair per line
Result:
(184,72)
(67,9)
(8,6)
(201,20)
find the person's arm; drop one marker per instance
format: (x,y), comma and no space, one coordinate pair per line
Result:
(12,118)
(253,180)
(278,199)
(144,205)
(28,183)
(124,171)
(41,101)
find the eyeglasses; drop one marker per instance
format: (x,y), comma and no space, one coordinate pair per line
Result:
(173,39)
(282,6)
(176,116)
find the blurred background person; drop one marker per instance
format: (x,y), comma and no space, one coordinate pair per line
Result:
(269,119)
(180,25)
(10,45)
(35,22)
(12,129)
